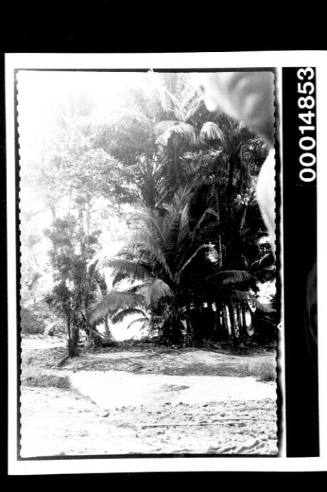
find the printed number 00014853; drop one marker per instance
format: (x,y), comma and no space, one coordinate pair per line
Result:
(307,141)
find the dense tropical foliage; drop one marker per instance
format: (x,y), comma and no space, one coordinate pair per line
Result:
(173,187)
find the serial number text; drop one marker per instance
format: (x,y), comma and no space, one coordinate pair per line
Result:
(306,103)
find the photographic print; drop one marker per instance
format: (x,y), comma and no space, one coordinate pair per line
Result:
(154,263)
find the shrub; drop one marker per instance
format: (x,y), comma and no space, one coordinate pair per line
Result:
(263,370)
(32,376)
(31,323)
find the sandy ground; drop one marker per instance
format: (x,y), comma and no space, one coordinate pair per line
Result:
(148,400)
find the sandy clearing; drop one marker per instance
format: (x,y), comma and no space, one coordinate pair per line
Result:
(118,388)
(147,400)
(58,422)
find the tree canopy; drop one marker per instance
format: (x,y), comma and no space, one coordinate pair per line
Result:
(154,191)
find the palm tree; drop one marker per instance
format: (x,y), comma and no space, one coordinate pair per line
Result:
(159,254)
(154,129)
(173,268)
(153,138)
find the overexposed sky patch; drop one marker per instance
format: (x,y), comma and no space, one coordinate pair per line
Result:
(41,93)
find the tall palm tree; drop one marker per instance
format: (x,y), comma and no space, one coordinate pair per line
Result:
(167,258)
(158,254)
(155,124)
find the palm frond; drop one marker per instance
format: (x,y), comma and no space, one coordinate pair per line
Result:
(181,198)
(159,91)
(112,302)
(127,269)
(191,103)
(266,261)
(211,132)
(173,226)
(121,315)
(184,131)
(163,126)
(190,259)
(138,320)
(128,114)
(184,226)
(93,269)
(228,278)
(152,223)
(240,296)
(265,308)
(151,246)
(208,211)
(154,291)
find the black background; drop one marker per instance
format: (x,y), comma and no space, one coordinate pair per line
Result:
(300,254)
(99,27)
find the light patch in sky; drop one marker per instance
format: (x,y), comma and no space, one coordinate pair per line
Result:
(42,94)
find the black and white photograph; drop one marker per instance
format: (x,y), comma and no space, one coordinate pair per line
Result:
(152,269)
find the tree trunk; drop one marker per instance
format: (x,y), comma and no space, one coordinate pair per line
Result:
(230,184)
(226,323)
(232,319)
(244,318)
(73,341)
(239,316)
(243,218)
(220,251)
(107,328)
(242,321)
(236,320)
(233,161)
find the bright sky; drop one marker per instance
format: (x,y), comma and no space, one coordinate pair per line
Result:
(39,97)
(40,94)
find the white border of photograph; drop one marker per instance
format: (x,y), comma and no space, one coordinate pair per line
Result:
(168,61)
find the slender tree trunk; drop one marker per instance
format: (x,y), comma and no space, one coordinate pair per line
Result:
(236,320)
(107,328)
(220,322)
(243,218)
(239,315)
(231,161)
(190,332)
(244,318)
(73,337)
(73,342)
(241,326)
(220,251)
(82,287)
(232,319)
(225,314)
(68,328)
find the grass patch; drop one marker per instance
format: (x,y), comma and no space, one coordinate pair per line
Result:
(43,358)
(262,370)
(32,376)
